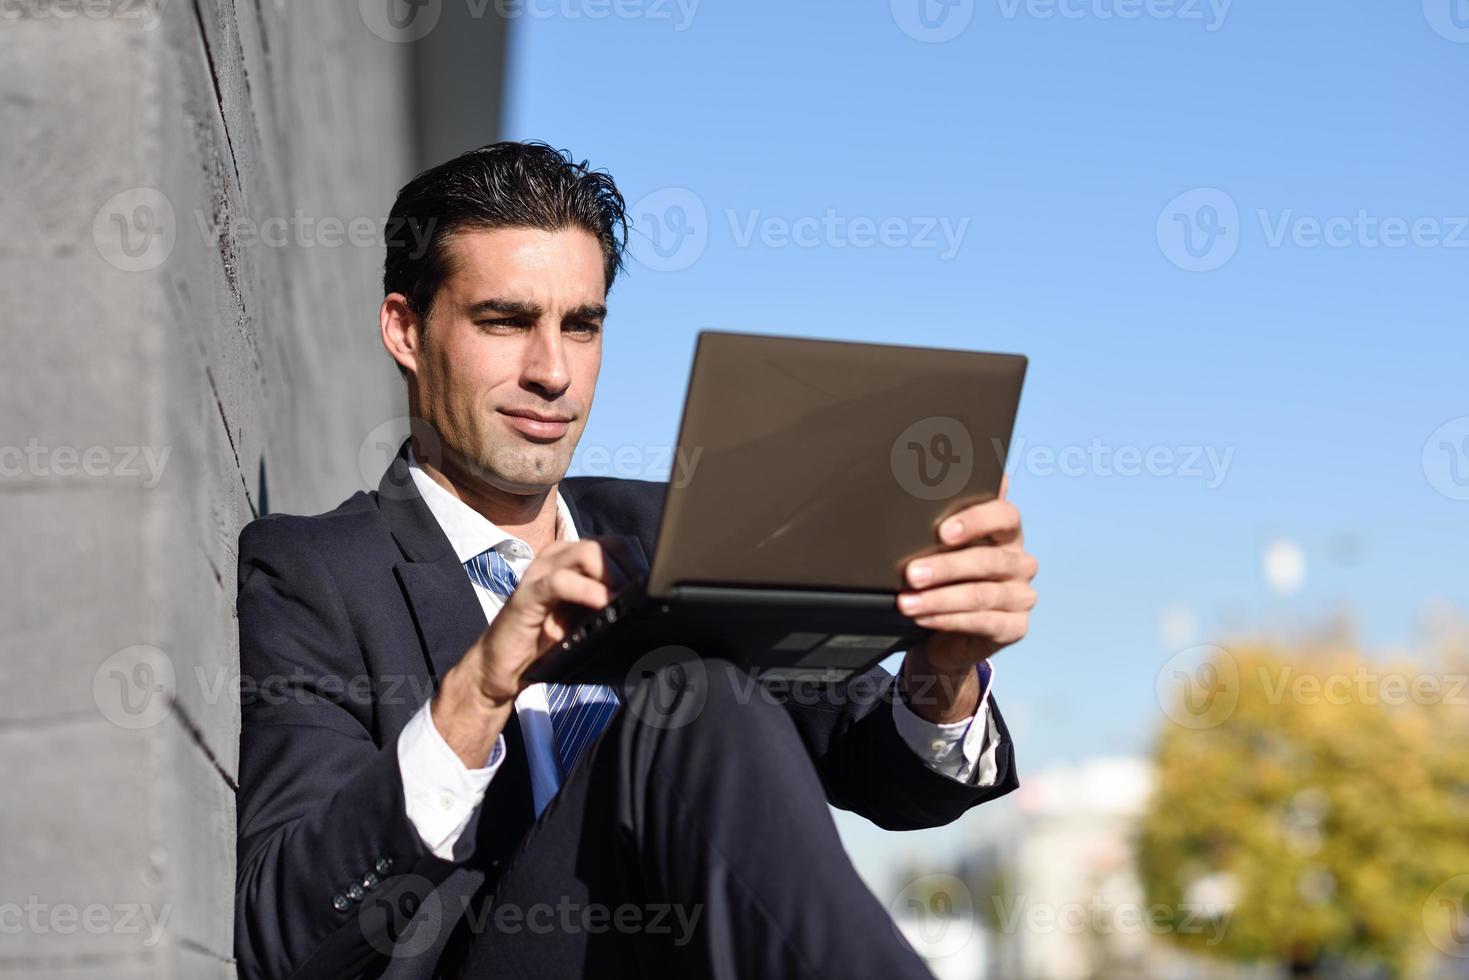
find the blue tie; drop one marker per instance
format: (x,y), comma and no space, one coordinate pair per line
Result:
(579,712)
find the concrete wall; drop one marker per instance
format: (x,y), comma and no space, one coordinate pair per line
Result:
(187,344)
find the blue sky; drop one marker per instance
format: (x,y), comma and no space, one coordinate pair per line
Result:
(1075,161)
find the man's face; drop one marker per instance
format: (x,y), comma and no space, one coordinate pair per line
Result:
(515,334)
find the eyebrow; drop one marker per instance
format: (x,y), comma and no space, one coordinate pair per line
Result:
(511,307)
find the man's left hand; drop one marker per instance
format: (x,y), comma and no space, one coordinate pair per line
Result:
(976,595)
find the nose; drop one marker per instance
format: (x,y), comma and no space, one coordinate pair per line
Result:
(545,370)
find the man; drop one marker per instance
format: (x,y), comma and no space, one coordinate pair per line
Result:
(410,806)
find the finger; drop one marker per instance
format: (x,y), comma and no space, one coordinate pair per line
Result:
(557,625)
(997,520)
(591,557)
(965,597)
(998,627)
(978,562)
(570,585)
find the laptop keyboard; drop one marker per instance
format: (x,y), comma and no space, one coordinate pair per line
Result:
(603,618)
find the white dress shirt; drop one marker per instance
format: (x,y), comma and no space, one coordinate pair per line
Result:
(441,793)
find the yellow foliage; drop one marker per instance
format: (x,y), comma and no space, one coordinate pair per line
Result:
(1330,795)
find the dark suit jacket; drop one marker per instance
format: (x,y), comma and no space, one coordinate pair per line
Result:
(347,620)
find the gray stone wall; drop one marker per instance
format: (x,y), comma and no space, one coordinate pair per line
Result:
(190,264)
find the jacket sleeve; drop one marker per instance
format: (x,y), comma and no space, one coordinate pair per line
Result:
(329,864)
(867,768)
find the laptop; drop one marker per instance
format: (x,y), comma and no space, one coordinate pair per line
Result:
(812,471)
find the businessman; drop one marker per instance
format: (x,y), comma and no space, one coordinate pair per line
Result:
(410,806)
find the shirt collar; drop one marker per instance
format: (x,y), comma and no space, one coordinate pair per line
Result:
(468,531)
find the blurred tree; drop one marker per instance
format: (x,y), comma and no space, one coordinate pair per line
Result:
(1315,800)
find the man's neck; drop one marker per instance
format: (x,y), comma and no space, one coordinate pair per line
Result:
(530,517)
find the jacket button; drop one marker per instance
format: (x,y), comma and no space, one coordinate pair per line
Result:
(355,893)
(370,881)
(340,903)
(384,865)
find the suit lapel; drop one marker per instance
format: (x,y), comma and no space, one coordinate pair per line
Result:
(445,609)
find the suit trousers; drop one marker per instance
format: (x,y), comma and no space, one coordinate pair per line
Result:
(692,838)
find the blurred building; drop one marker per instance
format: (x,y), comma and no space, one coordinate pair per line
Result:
(1055,890)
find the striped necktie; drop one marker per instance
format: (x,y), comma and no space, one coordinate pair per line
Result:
(579,712)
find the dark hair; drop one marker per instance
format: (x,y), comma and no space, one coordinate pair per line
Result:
(502,185)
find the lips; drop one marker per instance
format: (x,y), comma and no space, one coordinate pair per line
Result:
(536,425)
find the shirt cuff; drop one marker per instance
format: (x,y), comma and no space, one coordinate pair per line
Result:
(962,750)
(440,793)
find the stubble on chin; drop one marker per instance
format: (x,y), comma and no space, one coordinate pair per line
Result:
(526,466)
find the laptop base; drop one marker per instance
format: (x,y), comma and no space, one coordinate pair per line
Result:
(778,634)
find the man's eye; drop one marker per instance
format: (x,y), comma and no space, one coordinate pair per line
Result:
(499,322)
(583,327)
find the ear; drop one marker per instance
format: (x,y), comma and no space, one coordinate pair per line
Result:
(402,331)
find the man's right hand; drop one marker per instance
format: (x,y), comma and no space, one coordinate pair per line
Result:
(474,702)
